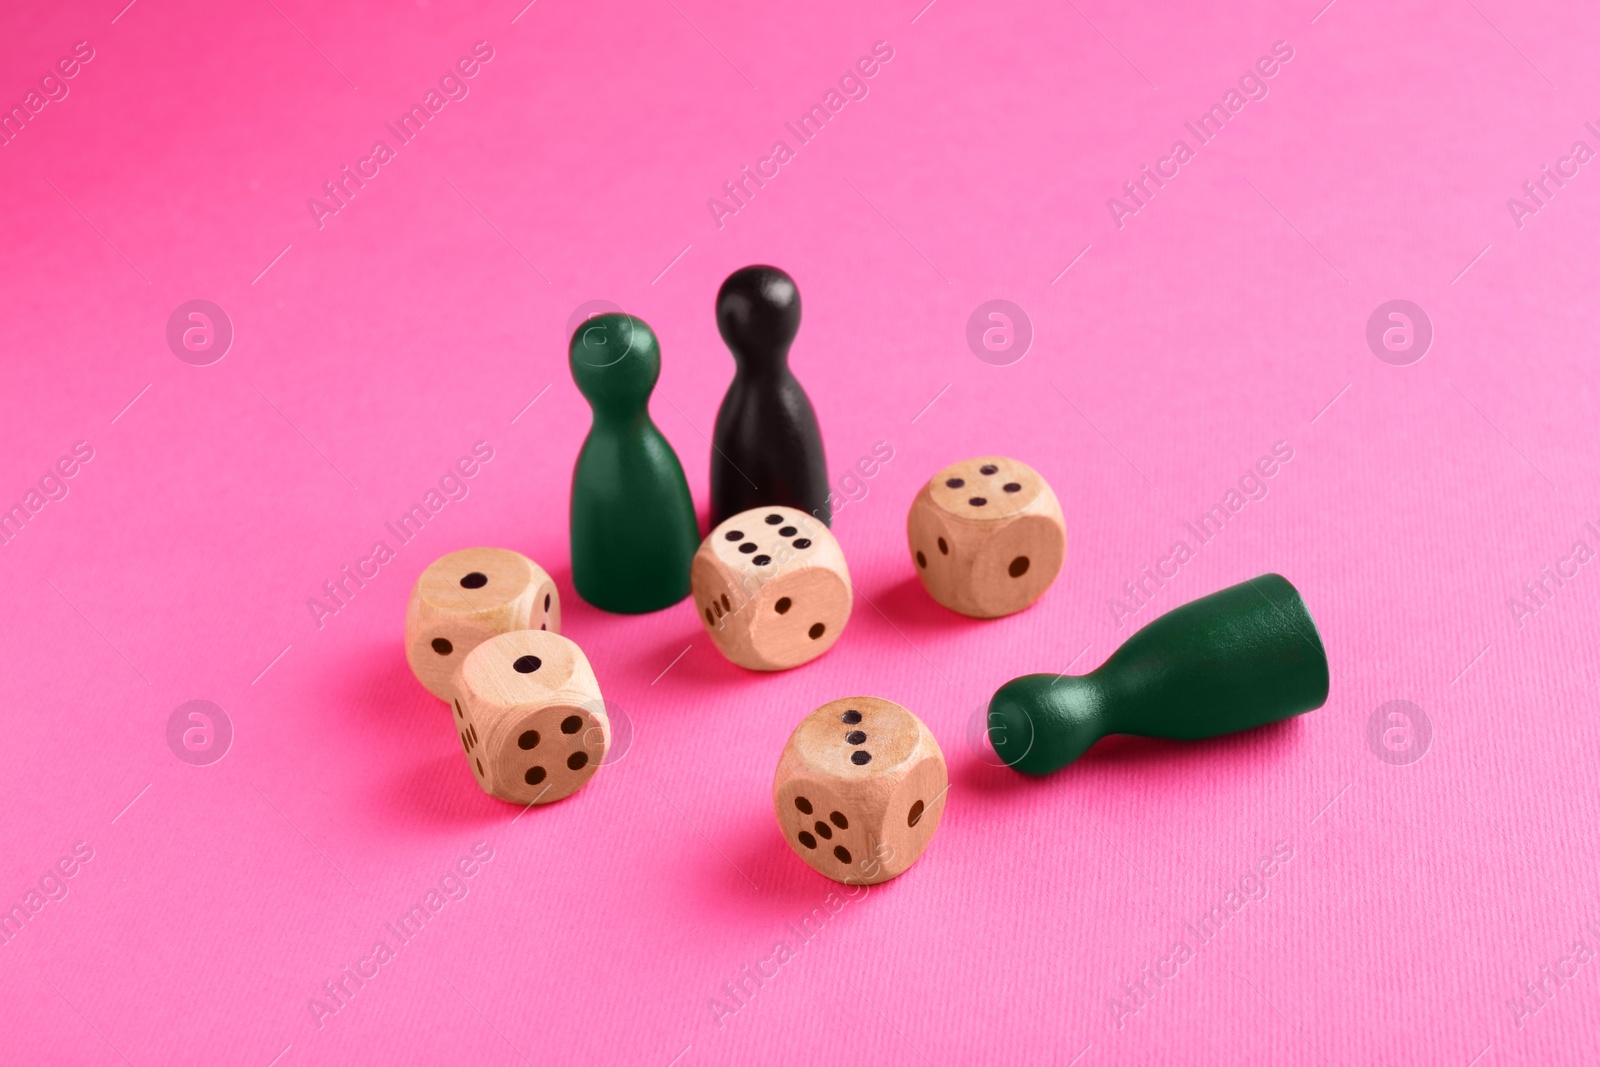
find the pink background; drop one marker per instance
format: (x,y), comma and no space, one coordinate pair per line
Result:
(1227,315)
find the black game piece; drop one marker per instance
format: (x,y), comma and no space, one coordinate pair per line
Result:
(766,449)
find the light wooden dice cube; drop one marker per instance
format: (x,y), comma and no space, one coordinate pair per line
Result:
(467,597)
(771,588)
(530,717)
(987,536)
(860,789)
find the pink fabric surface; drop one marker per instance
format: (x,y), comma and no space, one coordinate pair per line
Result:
(1433,910)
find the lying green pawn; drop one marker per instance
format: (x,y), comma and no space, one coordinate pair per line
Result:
(1242,657)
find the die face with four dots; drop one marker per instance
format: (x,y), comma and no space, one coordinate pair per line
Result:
(986,536)
(860,789)
(771,588)
(530,717)
(467,597)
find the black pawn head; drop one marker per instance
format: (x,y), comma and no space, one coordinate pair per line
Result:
(615,361)
(758,314)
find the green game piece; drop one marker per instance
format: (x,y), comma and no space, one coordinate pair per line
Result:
(1239,658)
(634,530)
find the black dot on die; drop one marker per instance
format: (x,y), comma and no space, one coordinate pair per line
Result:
(860,757)
(817,630)
(718,607)
(725,605)
(571,724)
(442,646)
(824,830)
(783,605)
(988,468)
(839,820)
(850,717)
(457,703)
(534,776)
(978,501)
(841,854)
(710,619)
(479,762)
(762,561)
(802,542)
(773,520)
(955,483)
(528,739)
(734,535)
(944,549)
(577,760)
(748,547)
(1019,567)
(547,602)
(788,531)
(922,561)
(915,814)
(806,839)
(474,580)
(856,737)
(526,664)
(803,804)
(1012,487)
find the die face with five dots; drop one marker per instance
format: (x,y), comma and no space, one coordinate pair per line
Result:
(530,717)
(771,588)
(860,789)
(465,598)
(986,536)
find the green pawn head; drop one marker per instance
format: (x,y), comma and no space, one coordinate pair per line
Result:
(615,360)
(1041,722)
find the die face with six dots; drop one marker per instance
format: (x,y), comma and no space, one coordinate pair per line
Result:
(529,716)
(771,588)
(465,598)
(986,536)
(860,789)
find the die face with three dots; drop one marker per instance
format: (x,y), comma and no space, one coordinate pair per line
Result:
(986,536)
(860,789)
(771,588)
(530,717)
(465,598)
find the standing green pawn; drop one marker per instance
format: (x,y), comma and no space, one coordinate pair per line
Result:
(633,525)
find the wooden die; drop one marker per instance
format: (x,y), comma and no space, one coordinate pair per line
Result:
(771,588)
(987,536)
(530,717)
(860,789)
(467,597)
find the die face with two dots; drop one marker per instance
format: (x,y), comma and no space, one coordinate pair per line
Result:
(465,598)
(860,789)
(986,536)
(771,588)
(530,717)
